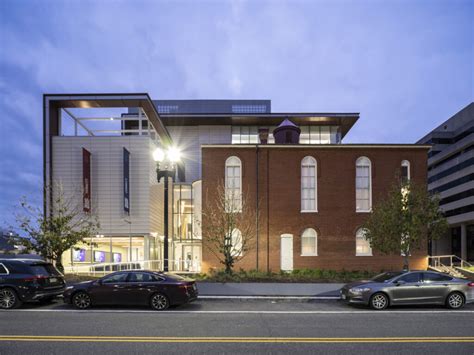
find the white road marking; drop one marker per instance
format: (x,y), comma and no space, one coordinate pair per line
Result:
(388,312)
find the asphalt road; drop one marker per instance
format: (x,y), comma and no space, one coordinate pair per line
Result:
(261,326)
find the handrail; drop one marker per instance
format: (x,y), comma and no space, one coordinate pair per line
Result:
(437,260)
(182,266)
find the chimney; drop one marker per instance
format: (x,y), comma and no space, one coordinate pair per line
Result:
(263,135)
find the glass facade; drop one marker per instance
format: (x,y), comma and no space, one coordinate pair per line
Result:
(309,134)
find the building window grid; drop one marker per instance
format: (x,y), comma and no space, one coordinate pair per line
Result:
(167,108)
(363,185)
(320,135)
(183,212)
(309,185)
(249,135)
(249,108)
(309,242)
(363,247)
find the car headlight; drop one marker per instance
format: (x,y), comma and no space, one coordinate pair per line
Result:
(359,289)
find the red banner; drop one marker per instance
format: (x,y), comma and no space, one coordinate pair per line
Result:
(86,180)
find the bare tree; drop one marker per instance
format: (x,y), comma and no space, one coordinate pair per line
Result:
(228,226)
(50,235)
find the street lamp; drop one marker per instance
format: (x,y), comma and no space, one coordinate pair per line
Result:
(166,166)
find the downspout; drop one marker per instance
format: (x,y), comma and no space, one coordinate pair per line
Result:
(268,212)
(257,204)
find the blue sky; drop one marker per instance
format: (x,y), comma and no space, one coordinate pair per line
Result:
(406,66)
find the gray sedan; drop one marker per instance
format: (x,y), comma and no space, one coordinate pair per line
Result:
(410,288)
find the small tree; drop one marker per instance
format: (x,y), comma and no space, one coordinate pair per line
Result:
(50,235)
(404,220)
(228,226)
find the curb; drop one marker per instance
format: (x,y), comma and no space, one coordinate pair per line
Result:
(210,297)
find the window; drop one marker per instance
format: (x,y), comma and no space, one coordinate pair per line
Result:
(362,245)
(143,277)
(405,172)
(432,277)
(115,278)
(308,185)
(309,242)
(233,184)
(236,239)
(3,270)
(363,185)
(412,277)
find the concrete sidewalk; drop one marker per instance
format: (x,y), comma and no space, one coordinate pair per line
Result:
(260,290)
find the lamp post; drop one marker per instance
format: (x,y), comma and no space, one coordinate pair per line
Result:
(166,166)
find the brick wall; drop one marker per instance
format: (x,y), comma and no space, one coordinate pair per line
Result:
(336,221)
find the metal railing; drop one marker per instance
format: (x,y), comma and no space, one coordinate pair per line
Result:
(447,261)
(100,269)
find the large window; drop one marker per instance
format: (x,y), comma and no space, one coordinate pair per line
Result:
(249,135)
(309,242)
(363,185)
(320,135)
(309,185)
(362,245)
(233,184)
(237,245)
(405,172)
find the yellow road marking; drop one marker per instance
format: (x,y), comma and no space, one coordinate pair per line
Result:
(67,338)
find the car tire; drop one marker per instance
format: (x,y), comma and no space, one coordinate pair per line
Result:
(81,300)
(9,298)
(455,300)
(379,301)
(159,302)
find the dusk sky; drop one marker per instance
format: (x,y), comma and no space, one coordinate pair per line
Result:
(406,66)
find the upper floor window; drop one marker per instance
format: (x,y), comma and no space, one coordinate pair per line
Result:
(405,172)
(308,185)
(309,242)
(363,185)
(320,135)
(362,245)
(233,184)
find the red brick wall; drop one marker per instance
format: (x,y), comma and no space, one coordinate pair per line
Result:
(336,220)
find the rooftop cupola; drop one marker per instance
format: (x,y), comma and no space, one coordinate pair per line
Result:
(287,133)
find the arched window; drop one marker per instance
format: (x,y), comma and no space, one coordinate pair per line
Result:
(309,242)
(236,239)
(405,172)
(363,185)
(362,245)
(233,184)
(309,185)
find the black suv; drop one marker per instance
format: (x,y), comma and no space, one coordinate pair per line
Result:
(25,280)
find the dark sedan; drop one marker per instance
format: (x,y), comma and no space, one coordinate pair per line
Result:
(139,288)
(410,288)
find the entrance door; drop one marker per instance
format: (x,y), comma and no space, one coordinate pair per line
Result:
(286,252)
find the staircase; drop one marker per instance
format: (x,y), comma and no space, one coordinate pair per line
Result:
(447,264)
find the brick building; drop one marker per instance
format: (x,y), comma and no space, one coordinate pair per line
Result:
(311,191)
(272,175)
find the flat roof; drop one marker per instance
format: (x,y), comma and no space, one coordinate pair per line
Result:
(325,146)
(344,120)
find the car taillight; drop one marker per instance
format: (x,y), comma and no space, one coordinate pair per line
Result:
(34,278)
(471,284)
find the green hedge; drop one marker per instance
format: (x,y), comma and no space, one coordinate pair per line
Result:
(301,275)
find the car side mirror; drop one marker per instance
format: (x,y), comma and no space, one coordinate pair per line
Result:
(400,282)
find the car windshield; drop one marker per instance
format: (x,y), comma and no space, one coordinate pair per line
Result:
(386,276)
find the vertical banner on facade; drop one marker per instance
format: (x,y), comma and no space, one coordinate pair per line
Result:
(126,181)
(86,180)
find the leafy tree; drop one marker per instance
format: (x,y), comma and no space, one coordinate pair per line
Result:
(405,220)
(228,227)
(50,235)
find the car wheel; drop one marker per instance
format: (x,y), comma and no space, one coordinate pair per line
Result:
(159,302)
(9,299)
(81,300)
(379,301)
(455,300)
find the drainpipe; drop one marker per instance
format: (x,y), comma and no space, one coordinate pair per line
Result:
(257,204)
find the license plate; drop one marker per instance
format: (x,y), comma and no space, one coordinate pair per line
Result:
(343,296)
(53,280)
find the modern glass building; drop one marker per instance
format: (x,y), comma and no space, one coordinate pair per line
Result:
(451,175)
